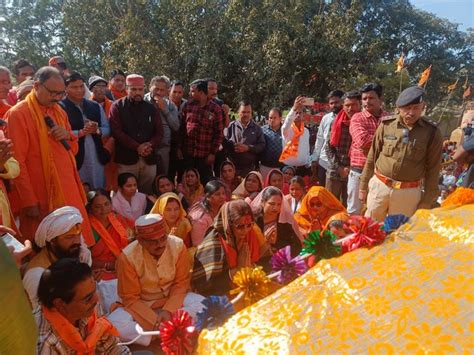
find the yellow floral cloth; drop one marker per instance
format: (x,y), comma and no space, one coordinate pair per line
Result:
(412,294)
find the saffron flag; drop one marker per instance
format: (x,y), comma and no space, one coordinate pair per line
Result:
(452,87)
(400,63)
(425,76)
(467,92)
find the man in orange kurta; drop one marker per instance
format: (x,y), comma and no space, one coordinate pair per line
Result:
(154,280)
(48,176)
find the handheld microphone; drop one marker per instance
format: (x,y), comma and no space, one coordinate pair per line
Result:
(50,123)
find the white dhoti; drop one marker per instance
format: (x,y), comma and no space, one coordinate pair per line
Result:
(107,290)
(125,324)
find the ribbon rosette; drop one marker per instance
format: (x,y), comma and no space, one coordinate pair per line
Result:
(217,309)
(177,334)
(366,234)
(253,282)
(288,268)
(321,245)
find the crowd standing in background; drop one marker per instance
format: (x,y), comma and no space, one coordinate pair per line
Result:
(181,194)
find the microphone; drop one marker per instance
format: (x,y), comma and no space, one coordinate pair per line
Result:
(50,123)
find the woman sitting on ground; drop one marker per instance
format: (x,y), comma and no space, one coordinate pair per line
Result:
(111,233)
(249,188)
(275,178)
(191,187)
(128,202)
(162,185)
(229,177)
(170,207)
(233,242)
(274,218)
(202,214)
(297,192)
(316,208)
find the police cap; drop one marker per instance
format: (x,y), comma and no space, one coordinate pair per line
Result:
(410,96)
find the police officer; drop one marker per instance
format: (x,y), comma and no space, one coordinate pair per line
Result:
(405,156)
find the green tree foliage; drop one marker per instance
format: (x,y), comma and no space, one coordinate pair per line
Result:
(265,50)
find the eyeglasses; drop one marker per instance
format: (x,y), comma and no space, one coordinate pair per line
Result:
(244,226)
(53,92)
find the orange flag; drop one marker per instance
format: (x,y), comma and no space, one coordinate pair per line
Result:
(452,87)
(467,93)
(400,63)
(425,76)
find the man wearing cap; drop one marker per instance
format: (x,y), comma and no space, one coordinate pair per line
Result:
(405,154)
(59,235)
(117,88)
(98,87)
(46,153)
(138,131)
(153,279)
(88,123)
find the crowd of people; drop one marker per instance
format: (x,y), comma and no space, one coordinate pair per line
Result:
(142,204)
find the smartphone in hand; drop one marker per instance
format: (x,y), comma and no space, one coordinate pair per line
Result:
(10,240)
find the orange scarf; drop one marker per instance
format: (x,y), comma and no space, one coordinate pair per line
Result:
(105,105)
(54,190)
(117,94)
(332,204)
(115,246)
(96,329)
(291,148)
(231,253)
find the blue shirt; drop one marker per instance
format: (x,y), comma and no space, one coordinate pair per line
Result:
(273,147)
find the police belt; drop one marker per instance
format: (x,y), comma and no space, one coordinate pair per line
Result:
(394,184)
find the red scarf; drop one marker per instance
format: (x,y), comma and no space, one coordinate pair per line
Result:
(96,328)
(336,131)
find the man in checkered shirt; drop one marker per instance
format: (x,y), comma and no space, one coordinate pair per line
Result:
(66,319)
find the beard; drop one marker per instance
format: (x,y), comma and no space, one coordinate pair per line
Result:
(72,252)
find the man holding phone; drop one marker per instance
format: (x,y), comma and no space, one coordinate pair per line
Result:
(296,137)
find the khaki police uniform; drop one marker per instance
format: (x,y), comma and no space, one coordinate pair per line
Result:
(400,160)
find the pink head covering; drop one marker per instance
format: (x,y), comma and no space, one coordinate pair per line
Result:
(285,216)
(135,80)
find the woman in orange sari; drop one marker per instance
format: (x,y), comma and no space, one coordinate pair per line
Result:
(316,208)
(110,233)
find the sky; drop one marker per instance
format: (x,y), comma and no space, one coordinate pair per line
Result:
(457,11)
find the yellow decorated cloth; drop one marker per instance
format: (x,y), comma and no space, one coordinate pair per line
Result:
(412,294)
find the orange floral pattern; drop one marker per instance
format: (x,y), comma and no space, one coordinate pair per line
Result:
(412,294)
